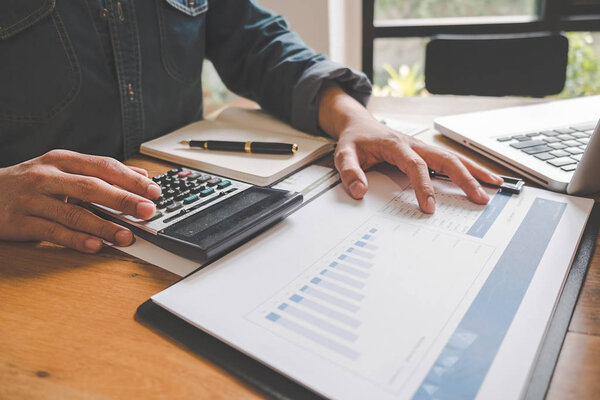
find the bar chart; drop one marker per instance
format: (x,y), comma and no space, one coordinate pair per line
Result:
(323,310)
(334,308)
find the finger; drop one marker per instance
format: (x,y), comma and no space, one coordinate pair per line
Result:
(353,177)
(78,218)
(481,173)
(54,232)
(106,168)
(453,166)
(139,170)
(94,190)
(416,169)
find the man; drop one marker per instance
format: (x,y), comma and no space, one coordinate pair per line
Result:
(102,76)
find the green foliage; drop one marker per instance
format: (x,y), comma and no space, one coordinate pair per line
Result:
(398,9)
(583,70)
(407,81)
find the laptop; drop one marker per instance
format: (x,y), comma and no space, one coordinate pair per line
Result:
(556,144)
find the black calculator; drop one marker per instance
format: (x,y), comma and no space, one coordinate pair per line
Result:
(201,216)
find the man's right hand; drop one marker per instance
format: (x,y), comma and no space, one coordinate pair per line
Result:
(34,202)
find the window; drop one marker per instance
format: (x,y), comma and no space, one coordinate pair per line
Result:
(395,33)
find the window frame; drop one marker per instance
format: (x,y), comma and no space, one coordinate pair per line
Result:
(551,16)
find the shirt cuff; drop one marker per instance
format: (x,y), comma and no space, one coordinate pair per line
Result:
(305,97)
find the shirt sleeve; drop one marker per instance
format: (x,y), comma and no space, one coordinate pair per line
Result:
(258,57)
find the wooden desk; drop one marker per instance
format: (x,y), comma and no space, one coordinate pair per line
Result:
(67,327)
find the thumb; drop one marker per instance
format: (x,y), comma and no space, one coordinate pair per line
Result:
(353,177)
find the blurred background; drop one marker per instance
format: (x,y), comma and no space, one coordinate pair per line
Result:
(334,27)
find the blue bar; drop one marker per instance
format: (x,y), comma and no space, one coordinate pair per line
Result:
(273,317)
(368,246)
(366,237)
(466,359)
(350,270)
(489,215)
(330,299)
(328,312)
(311,335)
(355,261)
(360,253)
(319,323)
(337,289)
(372,230)
(343,279)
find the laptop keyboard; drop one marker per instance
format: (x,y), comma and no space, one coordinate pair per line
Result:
(561,148)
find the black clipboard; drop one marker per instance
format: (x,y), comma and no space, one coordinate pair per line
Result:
(274,385)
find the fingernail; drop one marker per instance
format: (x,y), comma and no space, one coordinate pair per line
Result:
(497,178)
(153,190)
(123,237)
(430,205)
(357,189)
(93,244)
(145,209)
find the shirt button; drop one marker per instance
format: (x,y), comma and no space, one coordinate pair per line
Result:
(191,3)
(104,13)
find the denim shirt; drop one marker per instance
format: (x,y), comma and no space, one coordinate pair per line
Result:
(103,76)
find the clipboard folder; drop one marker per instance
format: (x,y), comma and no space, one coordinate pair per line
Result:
(275,385)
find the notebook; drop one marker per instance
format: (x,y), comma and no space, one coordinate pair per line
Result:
(239,124)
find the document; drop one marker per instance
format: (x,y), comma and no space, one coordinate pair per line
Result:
(310,182)
(373,299)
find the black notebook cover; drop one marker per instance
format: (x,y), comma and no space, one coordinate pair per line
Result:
(275,385)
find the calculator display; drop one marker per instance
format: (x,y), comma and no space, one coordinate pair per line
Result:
(216,215)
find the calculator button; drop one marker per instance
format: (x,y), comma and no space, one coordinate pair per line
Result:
(223,184)
(203,178)
(159,178)
(569,168)
(184,173)
(230,190)
(156,215)
(207,192)
(551,140)
(213,181)
(520,138)
(533,134)
(164,203)
(197,189)
(504,139)
(173,207)
(191,199)
(193,176)
(169,193)
(172,172)
(182,195)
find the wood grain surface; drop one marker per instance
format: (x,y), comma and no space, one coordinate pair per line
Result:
(67,323)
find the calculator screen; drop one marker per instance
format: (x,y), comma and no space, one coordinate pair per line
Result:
(216,216)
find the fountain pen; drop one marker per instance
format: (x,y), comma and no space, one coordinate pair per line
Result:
(247,147)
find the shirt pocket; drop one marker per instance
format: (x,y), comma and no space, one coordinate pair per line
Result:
(182,26)
(39,73)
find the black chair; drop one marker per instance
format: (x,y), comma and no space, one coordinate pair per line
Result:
(531,64)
